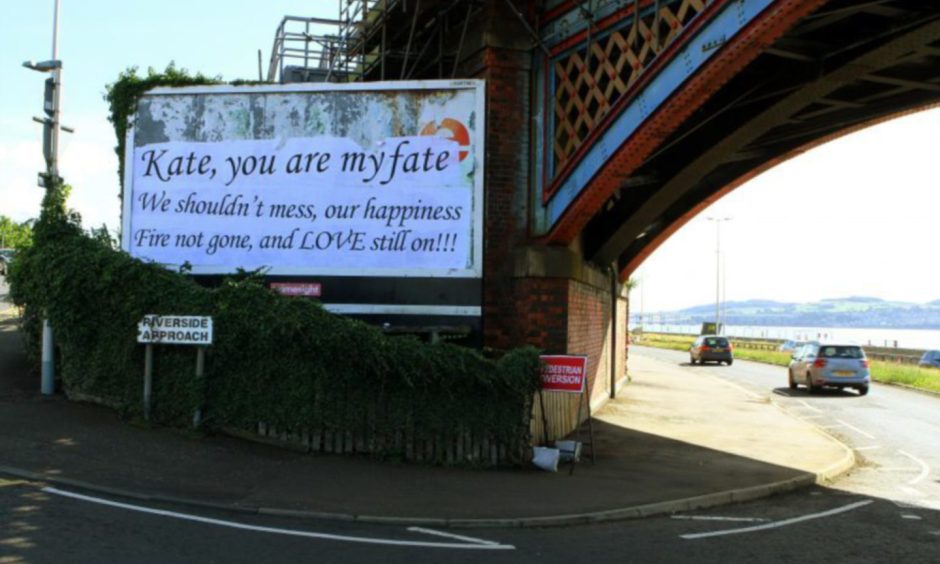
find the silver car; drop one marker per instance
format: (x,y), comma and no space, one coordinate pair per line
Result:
(832,365)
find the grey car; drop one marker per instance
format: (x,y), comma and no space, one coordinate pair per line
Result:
(830,365)
(711,348)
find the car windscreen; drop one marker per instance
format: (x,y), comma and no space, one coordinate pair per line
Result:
(716,342)
(836,351)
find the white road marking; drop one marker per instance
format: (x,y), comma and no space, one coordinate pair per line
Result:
(273,530)
(450,535)
(871,447)
(856,429)
(777,524)
(808,417)
(910,516)
(716,518)
(924,469)
(810,407)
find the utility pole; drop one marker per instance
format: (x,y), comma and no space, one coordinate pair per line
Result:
(718,221)
(52,100)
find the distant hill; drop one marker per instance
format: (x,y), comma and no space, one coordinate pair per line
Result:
(853,311)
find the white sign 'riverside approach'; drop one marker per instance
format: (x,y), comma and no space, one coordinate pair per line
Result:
(373,179)
(175,330)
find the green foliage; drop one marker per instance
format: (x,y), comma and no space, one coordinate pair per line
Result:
(283,361)
(15,235)
(122,96)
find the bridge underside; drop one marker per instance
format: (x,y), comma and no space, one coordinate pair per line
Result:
(846,66)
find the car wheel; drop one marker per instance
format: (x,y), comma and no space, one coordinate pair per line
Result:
(792,383)
(862,390)
(730,362)
(692,360)
(809,384)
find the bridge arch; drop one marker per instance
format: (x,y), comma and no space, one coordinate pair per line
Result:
(793,75)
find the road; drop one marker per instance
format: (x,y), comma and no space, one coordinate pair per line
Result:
(885,511)
(895,431)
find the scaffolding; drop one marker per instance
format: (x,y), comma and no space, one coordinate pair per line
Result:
(374,40)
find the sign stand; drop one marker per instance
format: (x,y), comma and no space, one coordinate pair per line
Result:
(174,330)
(577,434)
(201,381)
(148,379)
(544,418)
(567,374)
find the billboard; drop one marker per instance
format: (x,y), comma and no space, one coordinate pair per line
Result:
(369,179)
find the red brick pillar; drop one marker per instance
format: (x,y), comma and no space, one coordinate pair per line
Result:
(548,297)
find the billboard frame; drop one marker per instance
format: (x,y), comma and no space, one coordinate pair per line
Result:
(475,270)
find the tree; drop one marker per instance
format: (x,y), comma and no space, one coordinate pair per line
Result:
(15,235)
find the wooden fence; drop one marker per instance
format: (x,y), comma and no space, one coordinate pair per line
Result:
(449,448)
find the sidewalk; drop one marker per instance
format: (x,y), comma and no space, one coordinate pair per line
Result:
(672,441)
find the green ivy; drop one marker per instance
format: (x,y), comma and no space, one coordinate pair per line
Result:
(283,361)
(122,96)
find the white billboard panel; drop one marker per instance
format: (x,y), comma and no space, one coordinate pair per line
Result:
(379,179)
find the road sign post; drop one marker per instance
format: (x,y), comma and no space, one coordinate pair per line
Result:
(174,330)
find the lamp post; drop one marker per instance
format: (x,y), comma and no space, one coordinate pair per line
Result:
(718,221)
(50,149)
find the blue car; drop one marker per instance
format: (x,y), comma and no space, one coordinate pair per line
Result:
(836,366)
(931,359)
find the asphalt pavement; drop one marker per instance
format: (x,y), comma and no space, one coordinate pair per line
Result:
(673,440)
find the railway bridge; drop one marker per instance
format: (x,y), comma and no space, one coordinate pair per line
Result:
(611,123)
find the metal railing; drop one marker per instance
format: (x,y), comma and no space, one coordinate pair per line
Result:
(327,50)
(305,46)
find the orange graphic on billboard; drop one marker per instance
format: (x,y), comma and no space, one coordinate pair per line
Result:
(450,129)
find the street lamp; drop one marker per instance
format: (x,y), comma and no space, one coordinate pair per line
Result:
(718,221)
(50,150)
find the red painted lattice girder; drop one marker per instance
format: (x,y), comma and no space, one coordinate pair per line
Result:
(725,64)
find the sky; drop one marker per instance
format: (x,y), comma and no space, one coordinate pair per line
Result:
(855,217)
(98,39)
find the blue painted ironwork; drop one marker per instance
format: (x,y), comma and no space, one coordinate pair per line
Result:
(561,181)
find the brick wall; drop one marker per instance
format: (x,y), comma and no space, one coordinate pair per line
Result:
(556,301)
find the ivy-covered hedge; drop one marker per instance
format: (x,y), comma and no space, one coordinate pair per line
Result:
(282,361)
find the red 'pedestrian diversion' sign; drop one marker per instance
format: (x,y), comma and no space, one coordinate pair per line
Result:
(563,373)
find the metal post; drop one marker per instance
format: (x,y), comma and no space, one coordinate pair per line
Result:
(148,379)
(717,277)
(411,34)
(614,350)
(47,384)
(200,372)
(718,221)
